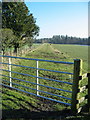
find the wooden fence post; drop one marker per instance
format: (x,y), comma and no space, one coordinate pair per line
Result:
(89,92)
(77,72)
(9,68)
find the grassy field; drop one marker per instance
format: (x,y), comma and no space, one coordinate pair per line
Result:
(75,52)
(20,105)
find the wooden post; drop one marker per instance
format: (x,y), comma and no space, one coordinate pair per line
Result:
(9,68)
(75,87)
(89,92)
(37,87)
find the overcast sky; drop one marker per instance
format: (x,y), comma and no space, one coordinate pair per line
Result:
(60,18)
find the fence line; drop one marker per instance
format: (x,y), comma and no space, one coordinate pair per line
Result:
(76,89)
(62,62)
(38,68)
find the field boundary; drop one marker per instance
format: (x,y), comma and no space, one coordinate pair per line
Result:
(77,77)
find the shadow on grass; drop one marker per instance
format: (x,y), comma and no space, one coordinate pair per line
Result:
(32,115)
(29,111)
(24,114)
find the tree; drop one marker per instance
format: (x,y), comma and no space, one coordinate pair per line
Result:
(57,39)
(7,38)
(16,16)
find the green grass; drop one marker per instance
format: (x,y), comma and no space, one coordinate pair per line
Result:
(14,100)
(75,52)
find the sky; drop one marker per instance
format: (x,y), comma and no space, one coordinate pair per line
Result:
(60,18)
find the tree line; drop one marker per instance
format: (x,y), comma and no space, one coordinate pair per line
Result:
(19,29)
(18,26)
(61,39)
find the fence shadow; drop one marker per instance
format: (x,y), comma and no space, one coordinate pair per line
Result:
(32,115)
(25,114)
(35,112)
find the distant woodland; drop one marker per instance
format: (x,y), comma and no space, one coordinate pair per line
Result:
(61,39)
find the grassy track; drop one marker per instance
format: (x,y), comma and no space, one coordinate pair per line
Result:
(14,100)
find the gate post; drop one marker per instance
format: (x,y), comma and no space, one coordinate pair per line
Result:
(76,73)
(89,92)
